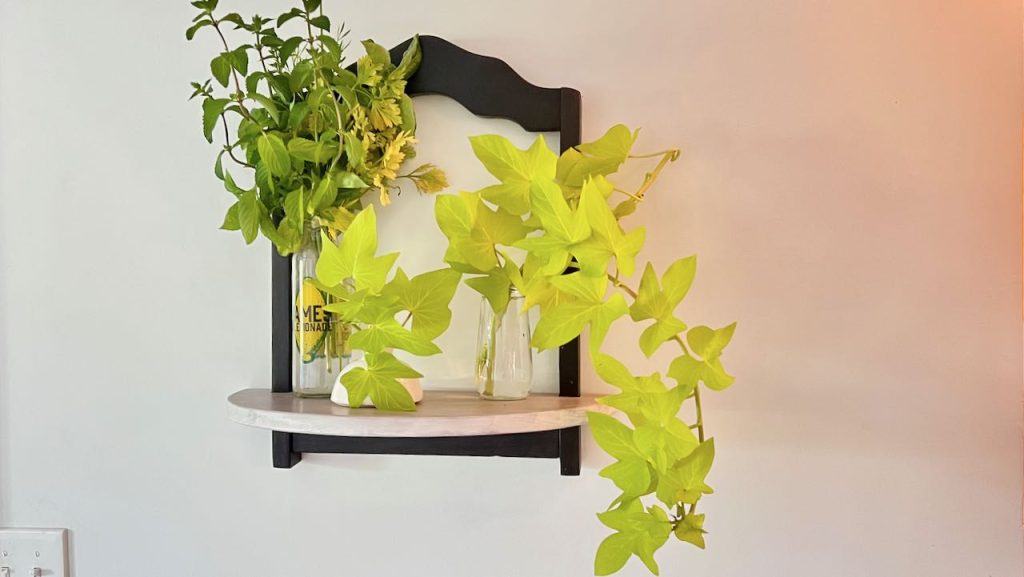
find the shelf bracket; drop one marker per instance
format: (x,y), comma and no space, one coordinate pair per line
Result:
(284,456)
(569,451)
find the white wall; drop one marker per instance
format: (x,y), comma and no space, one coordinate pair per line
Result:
(851,181)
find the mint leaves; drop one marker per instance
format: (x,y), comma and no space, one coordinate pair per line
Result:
(312,136)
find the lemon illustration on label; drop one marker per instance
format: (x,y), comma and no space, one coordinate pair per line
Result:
(312,322)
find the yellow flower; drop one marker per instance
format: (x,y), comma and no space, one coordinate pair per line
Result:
(392,157)
(384,114)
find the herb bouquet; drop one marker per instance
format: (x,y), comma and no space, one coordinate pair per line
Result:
(314,137)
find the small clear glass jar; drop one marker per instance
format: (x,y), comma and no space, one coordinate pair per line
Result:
(321,344)
(504,359)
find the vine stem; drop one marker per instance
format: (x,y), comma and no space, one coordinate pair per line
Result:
(259,51)
(492,339)
(622,286)
(238,99)
(649,178)
(667,156)
(224,41)
(667,152)
(696,390)
(627,193)
(227,139)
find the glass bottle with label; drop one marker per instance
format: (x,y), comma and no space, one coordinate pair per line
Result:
(321,344)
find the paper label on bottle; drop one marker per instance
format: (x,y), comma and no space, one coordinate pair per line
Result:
(312,322)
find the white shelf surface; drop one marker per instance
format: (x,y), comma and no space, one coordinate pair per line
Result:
(440,414)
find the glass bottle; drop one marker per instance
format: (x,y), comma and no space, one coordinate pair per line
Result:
(321,344)
(504,359)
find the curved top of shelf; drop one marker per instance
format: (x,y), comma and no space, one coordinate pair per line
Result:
(440,414)
(489,87)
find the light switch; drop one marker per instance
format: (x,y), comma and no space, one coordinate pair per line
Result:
(34,552)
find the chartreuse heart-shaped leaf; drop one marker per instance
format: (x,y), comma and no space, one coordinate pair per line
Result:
(539,291)
(653,302)
(498,227)
(603,317)
(615,437)
(475,232)
(638,532)
(478,253)
(494,287)
(614,145)
(678,279)
(613,553)
(691,530)
(708,343)
(585,305)
(491,228)
(648,400)
(559,220)
(455,213)
(468,223)
(585,288)
(379,381)
(632,476)
(685,480)
(356,256)
(650,302)
(360,306)
(563,324)
(661,443)
(387,334)
(601,157)
(516,169)
(563,227)
(659,332)
(607,239)
(426,297)
(612,371)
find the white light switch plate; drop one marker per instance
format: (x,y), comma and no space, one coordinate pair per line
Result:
(25,550)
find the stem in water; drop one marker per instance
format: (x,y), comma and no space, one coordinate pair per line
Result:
(492,356)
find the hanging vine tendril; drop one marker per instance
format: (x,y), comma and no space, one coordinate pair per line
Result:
(557,212)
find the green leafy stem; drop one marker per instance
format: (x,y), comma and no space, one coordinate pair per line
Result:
(364,298)
(313,136)
(547,229)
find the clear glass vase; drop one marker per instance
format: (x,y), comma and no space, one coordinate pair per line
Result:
(504,365)
(321,343)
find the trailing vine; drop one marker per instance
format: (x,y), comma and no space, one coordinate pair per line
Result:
(548,229)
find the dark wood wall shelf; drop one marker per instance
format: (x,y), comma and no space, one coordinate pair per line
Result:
(490,88)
